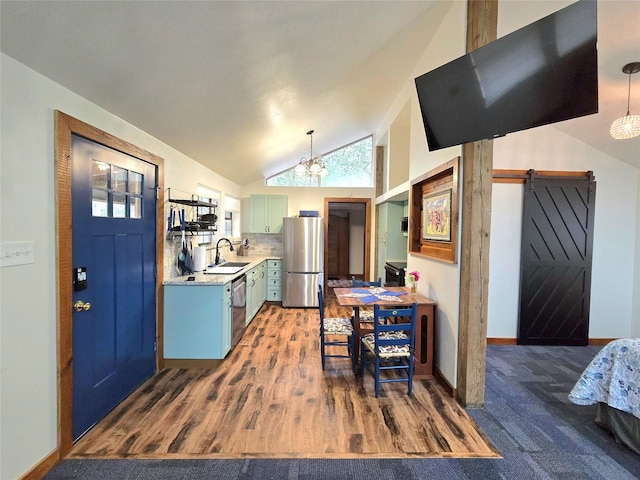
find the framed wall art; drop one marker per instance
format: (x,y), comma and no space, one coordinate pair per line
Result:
(436,210)
(433,213)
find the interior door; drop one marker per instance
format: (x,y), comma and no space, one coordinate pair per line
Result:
(556,251)
(338,253)
(114,267)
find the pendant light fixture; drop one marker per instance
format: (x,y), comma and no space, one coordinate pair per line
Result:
(314,166)
(629,125)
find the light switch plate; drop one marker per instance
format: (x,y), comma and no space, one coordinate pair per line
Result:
(16,253)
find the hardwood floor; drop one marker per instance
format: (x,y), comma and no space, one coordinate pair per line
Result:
(270,399)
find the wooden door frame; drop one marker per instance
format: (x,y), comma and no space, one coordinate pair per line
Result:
(367,230)
(65,127)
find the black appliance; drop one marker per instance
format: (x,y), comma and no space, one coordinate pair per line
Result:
(394,274)
(404,224)
(543,73)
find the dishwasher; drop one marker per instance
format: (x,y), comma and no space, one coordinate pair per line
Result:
(239,307)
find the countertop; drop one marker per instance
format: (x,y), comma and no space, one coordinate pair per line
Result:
(212,279)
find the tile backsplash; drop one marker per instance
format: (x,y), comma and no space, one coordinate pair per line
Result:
(264,244)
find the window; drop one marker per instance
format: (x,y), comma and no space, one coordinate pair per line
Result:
(115,191)
(228,224)
(232,217)
(349,166)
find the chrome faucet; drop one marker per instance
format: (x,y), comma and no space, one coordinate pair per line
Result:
(217,261)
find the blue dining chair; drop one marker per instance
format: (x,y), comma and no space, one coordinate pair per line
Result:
(366,314)
(363,283)
(391,345)
(340,333)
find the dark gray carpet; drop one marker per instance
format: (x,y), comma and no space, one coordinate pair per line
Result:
(540,434)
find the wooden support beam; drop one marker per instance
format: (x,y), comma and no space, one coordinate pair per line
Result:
(477,161)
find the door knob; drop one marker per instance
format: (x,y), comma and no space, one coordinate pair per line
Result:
(80,306)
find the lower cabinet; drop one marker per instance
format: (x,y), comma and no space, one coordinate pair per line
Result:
(197,321)
(256,281)
(274,280)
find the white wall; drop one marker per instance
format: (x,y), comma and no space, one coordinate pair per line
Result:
(615,270)
(438,281)
(28,293)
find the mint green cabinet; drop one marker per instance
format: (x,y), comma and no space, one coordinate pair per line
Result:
(265,213)
(274,280)
(256,282)
(391,243)
(197,321)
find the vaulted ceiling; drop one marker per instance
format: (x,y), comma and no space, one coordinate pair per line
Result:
(236,85)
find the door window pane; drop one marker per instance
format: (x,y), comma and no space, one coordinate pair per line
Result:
(135,207)
(99,203)
(118,179)
(100,174)
(135,183)
(119,205)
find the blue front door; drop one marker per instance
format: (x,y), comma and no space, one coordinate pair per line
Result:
(114,266)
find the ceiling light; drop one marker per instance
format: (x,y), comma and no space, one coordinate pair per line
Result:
(314,166)
(629,125)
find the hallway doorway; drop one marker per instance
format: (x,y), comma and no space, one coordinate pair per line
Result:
(348,238)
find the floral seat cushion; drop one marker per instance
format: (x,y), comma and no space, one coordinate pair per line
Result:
(337,326)
(387,351)
(366,315)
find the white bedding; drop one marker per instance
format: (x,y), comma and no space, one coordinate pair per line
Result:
(612,377)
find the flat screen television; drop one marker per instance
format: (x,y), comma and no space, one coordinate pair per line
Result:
(543,73)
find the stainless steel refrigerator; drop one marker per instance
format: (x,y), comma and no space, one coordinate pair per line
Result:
(303,261)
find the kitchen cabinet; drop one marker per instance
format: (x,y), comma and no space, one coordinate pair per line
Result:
(256,281)
(274,280)
(197,321)
(265,213)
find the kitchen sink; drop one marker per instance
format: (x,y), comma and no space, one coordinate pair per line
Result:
(226,268)
(222,270)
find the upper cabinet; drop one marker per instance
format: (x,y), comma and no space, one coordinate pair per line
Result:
(264,213)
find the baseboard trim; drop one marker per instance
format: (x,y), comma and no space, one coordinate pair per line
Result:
(502,341)
(444,383)
(43,467)
(601,341)
(514,341)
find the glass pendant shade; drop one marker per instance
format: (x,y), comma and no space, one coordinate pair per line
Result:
(300,170)
(315,169)
(629,125)
(625,127)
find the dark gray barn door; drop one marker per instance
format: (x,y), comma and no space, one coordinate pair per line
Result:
(555,265)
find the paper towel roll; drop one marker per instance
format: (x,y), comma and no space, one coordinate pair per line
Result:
(199,259)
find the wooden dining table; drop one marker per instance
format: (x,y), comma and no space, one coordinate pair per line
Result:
(425,334)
